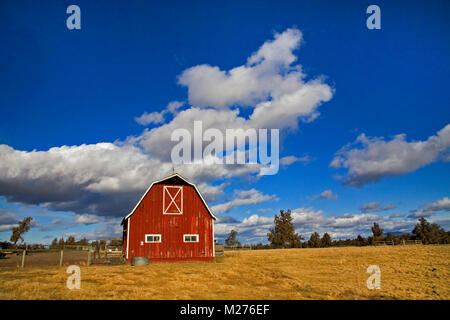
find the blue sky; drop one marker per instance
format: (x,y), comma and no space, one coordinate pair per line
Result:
(81,91)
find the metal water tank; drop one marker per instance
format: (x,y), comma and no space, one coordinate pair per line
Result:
(139,261)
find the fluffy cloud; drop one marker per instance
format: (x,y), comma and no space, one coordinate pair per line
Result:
(108,229)
(262,210)
(285,161)
(7,217)
(247,84)
(378,158)
(327,194)
(102,179)
(87,219)
(375,207)
(55,224)
(147,118)
(158,117)
(243,197)
(431,208)
(268,82)
(8,220)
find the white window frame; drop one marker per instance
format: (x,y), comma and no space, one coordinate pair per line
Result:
(153,235)
(172,200)
(190,235)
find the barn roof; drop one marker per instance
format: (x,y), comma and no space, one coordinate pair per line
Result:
(176,179)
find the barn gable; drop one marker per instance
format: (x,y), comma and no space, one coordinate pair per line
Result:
(175,179)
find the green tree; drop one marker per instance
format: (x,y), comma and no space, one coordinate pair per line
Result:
(361,241)
(54,243)
(377,231)
(231,241)
(70,240)
(83,242)
(283,234)
(325,241)
(115,242)
(314,240)
(429,233)
(389,237)
(103,244)
(95,244)
(18,231)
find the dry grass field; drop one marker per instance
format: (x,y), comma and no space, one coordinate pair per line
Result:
(407,272)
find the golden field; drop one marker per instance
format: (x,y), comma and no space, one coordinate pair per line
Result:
(407,272)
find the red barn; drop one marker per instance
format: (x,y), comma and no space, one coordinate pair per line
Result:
(172,222)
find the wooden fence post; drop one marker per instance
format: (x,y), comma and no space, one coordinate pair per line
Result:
(24,252)
(61,258)
(89,257)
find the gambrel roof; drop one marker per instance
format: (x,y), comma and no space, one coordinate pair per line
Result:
(174,177)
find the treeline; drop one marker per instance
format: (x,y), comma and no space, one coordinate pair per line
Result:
(61,243)
(24,226)
(283,235)
(58,244)
(5,245)
(100,244)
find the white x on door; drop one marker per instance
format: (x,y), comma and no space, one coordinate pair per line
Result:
(173,200)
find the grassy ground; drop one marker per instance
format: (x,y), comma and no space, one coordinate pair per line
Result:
(409,272)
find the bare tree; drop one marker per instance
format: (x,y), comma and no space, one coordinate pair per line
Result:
(231,241)
(18,231)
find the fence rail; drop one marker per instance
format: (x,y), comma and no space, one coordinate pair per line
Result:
(237,248)
(393,243)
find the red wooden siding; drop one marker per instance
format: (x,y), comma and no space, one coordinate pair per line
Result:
(148,218)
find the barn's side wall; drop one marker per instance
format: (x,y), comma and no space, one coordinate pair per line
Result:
(149,219)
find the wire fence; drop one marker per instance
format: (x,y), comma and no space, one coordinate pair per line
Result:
(81,255)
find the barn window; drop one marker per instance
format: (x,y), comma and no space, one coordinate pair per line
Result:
(191,238)
(152,238)
(173,200)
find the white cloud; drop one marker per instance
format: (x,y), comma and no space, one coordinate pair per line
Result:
(375,207)
(379,158)
(268,82)
(87,219)
(243,197)
(7,217)
(147,118)
(211,192)
(108,229)
(431,208)
(327,194)
(245,85)
(158,117)
(7,227)
(262,210)
(285,161)
(8,220)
